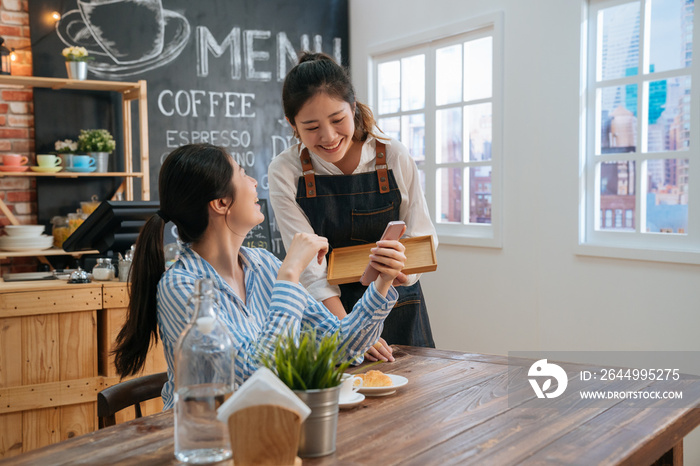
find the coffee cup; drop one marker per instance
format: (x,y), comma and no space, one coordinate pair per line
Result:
(349,385)
(146,16)
(48,160)
(83,161)
(14,160)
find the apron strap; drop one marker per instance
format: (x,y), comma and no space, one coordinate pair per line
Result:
(379,164)
(308,173)
(381,167)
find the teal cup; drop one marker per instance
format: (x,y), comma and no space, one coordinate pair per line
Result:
(83,161)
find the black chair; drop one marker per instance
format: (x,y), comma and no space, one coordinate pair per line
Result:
(129,393)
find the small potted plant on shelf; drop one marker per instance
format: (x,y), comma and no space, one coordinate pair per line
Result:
(76,62)
(98,143)
(65,150)
(312,365)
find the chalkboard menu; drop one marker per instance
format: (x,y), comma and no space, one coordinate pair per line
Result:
(214,70)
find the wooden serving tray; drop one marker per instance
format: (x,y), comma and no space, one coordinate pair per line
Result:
(347,264)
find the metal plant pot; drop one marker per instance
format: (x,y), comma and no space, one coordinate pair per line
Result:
(77,70)
(318,431)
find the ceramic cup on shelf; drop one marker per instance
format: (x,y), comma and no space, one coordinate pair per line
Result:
(48,160)
(83,161)
(14,160)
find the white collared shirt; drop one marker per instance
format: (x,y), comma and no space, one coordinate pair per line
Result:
(283,175)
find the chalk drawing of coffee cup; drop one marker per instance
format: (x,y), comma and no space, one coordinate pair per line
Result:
(144,16)
(126,37)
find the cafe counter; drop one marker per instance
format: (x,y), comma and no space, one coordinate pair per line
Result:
(55,340)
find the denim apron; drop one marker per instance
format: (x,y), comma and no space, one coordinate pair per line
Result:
(354,209)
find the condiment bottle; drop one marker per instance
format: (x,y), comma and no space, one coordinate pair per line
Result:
(204,379)
(103,270)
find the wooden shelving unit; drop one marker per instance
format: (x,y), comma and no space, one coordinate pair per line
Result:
(129,91)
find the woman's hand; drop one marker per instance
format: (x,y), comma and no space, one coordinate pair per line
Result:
(380,351)
(304,248)
(389,259)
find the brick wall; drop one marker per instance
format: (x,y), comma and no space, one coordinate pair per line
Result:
(17,125)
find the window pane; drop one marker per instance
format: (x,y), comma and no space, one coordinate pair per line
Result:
(671,34)
(618,49)
(449,135)
(389,80)
(617,186)
(667,196)
(478,64)
(477,127)
(618,119)
(448,75)
(669,115)
(413,83)
(449,195)
(480,194)
(413,131)
(391,127)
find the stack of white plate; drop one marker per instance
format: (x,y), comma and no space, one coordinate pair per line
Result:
(25,238)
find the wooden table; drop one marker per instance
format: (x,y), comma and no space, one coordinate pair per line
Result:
(454,410)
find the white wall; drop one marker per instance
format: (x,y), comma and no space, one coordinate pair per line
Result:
(535,293)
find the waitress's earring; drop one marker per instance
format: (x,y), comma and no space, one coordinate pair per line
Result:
(295,134)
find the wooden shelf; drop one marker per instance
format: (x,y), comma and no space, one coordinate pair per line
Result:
(45,252)
(71,174)
(129,92)
(132,90)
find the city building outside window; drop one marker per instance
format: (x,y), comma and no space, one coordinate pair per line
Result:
(640,141)
(442,99)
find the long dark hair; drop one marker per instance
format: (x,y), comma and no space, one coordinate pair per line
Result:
(191,177)
(318,72)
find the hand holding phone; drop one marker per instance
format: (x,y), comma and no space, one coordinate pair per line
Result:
(393,231)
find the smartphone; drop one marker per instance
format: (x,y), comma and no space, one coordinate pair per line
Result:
(393,231)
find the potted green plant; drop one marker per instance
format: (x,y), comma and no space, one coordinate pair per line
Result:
(76,62)
(312,365)
(98,143)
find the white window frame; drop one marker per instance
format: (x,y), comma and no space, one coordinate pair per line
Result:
(470,234)
(637,245)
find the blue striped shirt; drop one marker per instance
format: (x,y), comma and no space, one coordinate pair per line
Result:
(272,307)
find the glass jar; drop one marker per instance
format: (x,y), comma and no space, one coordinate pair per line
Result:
(75,219)
(103,270)
(60,230)
(204,379)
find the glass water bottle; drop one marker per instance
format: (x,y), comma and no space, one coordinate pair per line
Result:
(204,379)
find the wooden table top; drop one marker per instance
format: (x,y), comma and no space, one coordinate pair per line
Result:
(455,409)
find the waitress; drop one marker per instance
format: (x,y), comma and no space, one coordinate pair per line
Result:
(346,183)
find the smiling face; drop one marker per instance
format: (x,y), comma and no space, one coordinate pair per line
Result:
(245,210)
(326,126)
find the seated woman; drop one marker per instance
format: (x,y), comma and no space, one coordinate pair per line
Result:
(213,203)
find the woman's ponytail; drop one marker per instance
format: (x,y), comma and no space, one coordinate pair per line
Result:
(141,326)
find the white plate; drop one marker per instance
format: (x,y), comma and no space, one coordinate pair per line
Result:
(397,381)
(22,242)
(22,249)
(355,400)
(24,231)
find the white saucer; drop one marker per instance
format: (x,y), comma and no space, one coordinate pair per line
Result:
(355,400)
(397,381)
(71,29)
